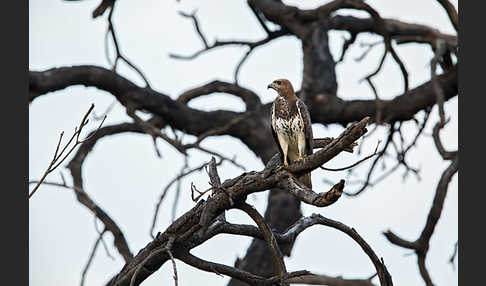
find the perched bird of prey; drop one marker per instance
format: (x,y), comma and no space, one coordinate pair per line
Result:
(291,126)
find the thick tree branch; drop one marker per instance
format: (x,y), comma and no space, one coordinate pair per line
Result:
(328,109)
(309,196)
(204,213)
(299,21)
(398,30)
(351,134)
(251,99)
(325,110)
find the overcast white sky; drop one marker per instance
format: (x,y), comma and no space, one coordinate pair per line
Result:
(123,175)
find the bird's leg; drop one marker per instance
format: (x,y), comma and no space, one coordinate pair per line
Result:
(285,164)
(301,145)
(285,149)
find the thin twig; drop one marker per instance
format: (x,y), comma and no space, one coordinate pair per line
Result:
(453,256)
(369,47)
(178,190)
(119,55)
(196,26)
(355,164)
(173,266)
(91,256)
(154,131)
(102,240)
(56,161)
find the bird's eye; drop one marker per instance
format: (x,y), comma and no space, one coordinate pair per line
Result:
(278,82)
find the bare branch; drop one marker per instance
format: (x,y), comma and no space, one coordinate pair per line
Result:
(271,35)
(217,44)
(354,164)
(347,43)
(119,55)
(178,190)
(309,196)
(173,266)
(446,155)
(166,189)
(453,256)
(421,244)
(269,238)
(374,164)
(56,161)
(206,219)
(401,108)
(220,269)
(321,279)
(155,132)
(196,26)
(347,138)
(259,18)
(102,240)
(451,12)
(402,32)
(102,7)
(369,47)
(91,256)
(302,224)
(249,97)
(202,216)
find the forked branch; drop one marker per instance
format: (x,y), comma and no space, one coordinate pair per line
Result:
(59,157)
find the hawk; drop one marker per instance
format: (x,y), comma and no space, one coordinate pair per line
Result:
(291,126)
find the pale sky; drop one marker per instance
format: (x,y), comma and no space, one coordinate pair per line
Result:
(124,176)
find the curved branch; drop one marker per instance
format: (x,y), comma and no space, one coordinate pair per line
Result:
(250,98)
(354,164)
(293,231)
(309,196)
(332,109)
(298,21)
(451,12)
(75,166)
(397,30)
(446,155)
(269,238)
(218,268)
(177,114)
(385,278)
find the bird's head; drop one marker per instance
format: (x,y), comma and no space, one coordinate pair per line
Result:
(283,87)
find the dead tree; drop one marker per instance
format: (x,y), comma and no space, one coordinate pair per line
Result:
(277,229)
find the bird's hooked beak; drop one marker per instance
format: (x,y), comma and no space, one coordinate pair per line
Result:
(272,86)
